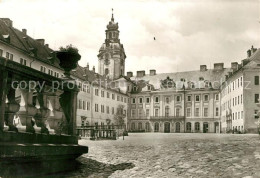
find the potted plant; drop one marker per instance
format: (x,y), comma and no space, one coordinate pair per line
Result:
(69,57)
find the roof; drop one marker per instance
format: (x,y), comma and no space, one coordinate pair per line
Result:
(183,79)
(25,43)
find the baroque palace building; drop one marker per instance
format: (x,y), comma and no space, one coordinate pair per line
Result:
(205,100)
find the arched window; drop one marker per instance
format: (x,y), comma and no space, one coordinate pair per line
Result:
(188,127)
(167,111)
(197,126)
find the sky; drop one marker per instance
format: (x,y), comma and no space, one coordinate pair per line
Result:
(188,33)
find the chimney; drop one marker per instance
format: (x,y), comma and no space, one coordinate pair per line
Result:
(87,66)
(248,53)
(203,68)
(24,31)
(129,74)
(253,50)
(140,73)
(7,21)
(47,45)
(218,66)
(152,72)
(41,41)
(93,68)
(234,66)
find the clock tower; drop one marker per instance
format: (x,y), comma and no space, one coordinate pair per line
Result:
(111,56)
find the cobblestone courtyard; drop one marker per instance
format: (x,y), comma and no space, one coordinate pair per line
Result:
(173,155)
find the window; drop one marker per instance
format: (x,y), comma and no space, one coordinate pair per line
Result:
(102,93)
(206,112)
(149,87)
(188,112)
(96,107)
(256,114)
(50,72)
(113,96)
(140,112)
(124,100)
(9,56)
(1,53)
(133,100)
(256,98)
(147,100)
(80,104)
(107,109)
(96,92)
(197,98)
(88,106)
(88,89)
(241,99)
(118,98)
(167,111)
(206,97)
(157,99)
(108,94)
(133,112)
(197,112)
(102,108)
(217,111)
(256,80)
(178,98)
(238,100)
(84,105)
(189,98)
(156,113)
(113,110)
(242,114)
(83,88)
(216,97)
(241,81)
(22,61)
(167,100)
(43,69)
(177,112)
(147,112)
(140,100)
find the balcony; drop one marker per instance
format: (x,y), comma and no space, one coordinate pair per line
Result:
(167,117)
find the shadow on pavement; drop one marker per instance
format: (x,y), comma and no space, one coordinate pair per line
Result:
(82,167)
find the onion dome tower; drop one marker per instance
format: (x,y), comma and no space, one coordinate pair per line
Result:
(111,55)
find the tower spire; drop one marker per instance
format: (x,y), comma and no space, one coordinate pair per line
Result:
(112,18)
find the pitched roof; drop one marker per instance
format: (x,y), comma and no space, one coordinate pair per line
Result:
(25,43)
(197,77)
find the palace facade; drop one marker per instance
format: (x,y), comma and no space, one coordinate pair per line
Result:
(204,100)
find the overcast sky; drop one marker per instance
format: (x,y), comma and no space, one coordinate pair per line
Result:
(188,33)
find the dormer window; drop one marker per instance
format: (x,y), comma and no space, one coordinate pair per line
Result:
(201,78)
(149,87)
(182,80)
(134,88)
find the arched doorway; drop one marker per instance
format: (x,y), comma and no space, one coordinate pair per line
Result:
(133,126)
(156,127)
(197,127)
(140,126)
(177,127)
(147,127)
(205,127)
(167,127)
(216,127)
(188,127)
